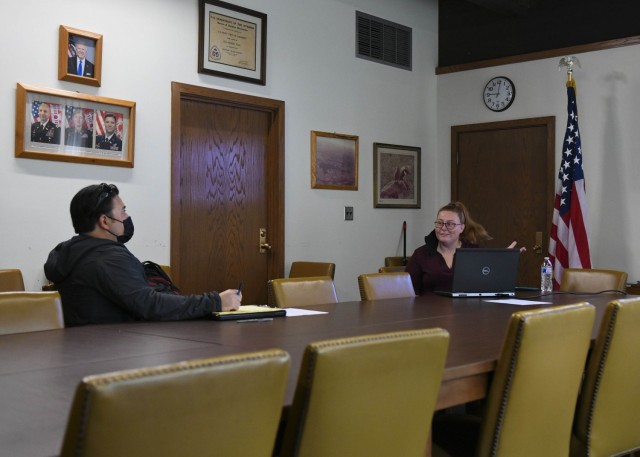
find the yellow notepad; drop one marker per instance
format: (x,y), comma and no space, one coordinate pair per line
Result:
(249,312)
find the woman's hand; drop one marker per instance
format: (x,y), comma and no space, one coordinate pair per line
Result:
(513,246)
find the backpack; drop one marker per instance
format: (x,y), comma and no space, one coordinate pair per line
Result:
(158,279)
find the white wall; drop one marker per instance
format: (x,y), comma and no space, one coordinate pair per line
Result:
(311,66)
(608,97)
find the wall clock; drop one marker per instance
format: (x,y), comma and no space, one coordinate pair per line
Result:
(499,93)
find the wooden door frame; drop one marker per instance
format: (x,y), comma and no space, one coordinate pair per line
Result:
(548,121)
(274,164)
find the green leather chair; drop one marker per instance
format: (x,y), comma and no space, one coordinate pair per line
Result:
(532,397)
(607,418)
(367,396)
(11,280)
(22,312)
(223,406)
(314,290)
(378,286)
(584,280)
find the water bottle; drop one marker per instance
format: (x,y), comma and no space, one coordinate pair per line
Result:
(546,276)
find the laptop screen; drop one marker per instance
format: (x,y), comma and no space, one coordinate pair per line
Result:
(485,272)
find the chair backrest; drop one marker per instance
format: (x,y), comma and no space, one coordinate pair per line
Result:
(11,280)
(370,396)
(395,261)
(22,312)
(227,405)
(378,286)
(315,290)
(307,269)
(607,417)
(166,269)
(592,281)
(533,393)
(392,269)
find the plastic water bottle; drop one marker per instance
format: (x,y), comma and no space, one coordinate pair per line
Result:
(546,276)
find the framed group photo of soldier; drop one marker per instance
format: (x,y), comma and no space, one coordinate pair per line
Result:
(232,42)
(79,56)
(396,176)
(66,126)
(334,161)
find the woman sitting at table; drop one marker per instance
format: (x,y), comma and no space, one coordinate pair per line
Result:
(431,265)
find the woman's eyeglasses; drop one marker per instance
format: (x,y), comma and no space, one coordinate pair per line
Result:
(449,225)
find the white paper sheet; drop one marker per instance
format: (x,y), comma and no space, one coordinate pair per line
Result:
(517,301)
(293,312)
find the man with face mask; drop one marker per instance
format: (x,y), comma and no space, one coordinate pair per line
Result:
(101,282)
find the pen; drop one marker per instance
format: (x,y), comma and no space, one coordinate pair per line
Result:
(240,288)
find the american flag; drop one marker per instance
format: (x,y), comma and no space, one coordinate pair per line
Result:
(87,117)
(569,245)
(56,112)
(99,121)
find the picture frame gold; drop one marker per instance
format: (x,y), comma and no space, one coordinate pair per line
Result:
(49,127)
(232,42)
(396,176)
(70,42)
(334,161)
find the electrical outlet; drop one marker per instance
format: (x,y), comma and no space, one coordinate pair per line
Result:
(348,213)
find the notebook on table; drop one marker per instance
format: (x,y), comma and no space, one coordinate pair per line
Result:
(249,312)
(484,272)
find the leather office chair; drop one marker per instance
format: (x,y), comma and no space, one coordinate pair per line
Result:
(227,405)
(370,396)
(607,418)
(309,269)
(291,292)
(392,269)
(532,397)
(378,286)
(166,269)
(11,280)
(22,312)
(304,270)
(592,281)
(395,261)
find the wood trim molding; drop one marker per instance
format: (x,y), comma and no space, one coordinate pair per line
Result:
(600,46)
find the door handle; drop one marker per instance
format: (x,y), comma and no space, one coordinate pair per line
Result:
(537,248)
(264,247)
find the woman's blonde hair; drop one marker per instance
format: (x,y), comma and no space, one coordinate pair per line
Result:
(473,232)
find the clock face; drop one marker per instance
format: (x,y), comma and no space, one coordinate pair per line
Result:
(499,93)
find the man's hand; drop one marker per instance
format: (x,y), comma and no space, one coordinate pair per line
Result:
(231,300)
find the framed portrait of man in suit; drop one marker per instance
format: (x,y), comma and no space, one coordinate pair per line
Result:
(79,56)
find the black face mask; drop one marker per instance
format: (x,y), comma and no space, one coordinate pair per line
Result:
(128,229)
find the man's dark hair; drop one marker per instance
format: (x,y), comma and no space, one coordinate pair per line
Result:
(89,203)
(111,115)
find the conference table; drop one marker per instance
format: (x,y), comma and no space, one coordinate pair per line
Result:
(40,370)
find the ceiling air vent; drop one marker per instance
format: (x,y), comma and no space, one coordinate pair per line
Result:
(383,41)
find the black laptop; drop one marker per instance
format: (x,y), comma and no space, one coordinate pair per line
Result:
(484,272)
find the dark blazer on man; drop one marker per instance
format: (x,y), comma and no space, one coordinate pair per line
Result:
(87,69)
(47,133)
(113,144)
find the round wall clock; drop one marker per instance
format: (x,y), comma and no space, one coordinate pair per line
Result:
(499,93)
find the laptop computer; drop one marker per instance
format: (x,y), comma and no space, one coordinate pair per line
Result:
(484,272)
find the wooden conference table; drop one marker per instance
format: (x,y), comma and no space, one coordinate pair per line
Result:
(39,371)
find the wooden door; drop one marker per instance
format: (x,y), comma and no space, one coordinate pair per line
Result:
(504,173)
(227,186)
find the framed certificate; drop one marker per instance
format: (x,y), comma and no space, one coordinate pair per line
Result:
(232,42)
